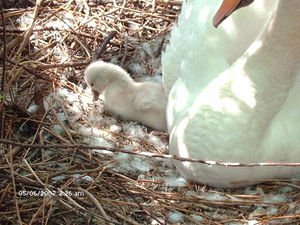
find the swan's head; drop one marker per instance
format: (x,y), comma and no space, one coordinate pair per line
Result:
(98,75)
(227,8)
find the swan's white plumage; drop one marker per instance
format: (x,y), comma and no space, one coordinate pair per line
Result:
(248,113)
(195,41)
(141,102)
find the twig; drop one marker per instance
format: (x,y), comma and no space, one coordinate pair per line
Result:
(136,201)
(76,172)
(96,203)
(14,186)
(124,218)
(3,54)
(16,13)
(60,122)
(169,2)
(26,68)
(3,74)
(103,46)
(9,46)
(74,205)
(61,65)
(149,154)
(30,29)
(159,50)
(21,182)
(126,49)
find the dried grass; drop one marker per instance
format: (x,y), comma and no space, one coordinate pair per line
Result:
(37,182)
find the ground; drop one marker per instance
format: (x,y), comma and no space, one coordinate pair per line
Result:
(65,160)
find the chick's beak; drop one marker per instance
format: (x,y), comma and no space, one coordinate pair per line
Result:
(227,8)
(96,95)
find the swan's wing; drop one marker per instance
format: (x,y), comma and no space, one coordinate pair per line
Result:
(171,60)
(149,96)
(141,103)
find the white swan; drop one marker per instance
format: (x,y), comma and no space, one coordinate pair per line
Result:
(248,113)
(142,102)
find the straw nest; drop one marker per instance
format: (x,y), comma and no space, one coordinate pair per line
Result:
(64,160)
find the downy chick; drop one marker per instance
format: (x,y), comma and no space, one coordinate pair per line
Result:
(142,102)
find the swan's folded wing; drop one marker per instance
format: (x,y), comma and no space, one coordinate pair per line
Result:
(150,96)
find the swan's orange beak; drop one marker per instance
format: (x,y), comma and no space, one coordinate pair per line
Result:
(227,8)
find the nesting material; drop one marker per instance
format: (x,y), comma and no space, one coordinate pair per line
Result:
(89,184)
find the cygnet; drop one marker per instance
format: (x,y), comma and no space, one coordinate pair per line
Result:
(142,102)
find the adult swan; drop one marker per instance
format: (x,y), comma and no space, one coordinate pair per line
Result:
(235,91)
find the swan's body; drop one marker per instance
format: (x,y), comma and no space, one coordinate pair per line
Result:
(141,102)
(248,113)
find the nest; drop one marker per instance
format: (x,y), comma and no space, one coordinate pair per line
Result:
(64,160)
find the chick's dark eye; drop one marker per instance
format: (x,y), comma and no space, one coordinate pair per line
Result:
(92,84)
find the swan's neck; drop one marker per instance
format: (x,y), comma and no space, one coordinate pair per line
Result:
(269,66)
(275,53)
